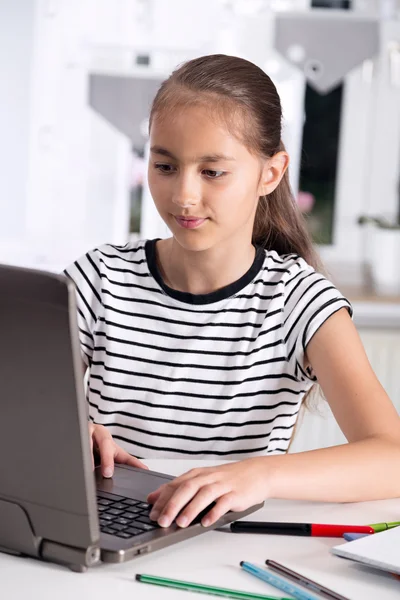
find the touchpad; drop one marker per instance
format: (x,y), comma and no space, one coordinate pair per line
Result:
(131,482)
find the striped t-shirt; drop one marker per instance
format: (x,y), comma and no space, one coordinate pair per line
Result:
(217,375)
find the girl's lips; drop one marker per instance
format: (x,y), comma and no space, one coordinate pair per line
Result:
(189,223)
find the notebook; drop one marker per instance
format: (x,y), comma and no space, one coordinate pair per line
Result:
(379,550)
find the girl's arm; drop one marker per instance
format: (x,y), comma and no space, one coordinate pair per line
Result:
(367,468)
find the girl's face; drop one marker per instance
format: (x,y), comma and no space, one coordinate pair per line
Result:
(204,182)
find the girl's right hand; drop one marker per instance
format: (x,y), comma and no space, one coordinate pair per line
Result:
(102,443)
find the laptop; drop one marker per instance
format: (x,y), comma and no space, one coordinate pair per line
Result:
(52,506)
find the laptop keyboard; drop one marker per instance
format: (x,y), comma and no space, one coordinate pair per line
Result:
(123,517)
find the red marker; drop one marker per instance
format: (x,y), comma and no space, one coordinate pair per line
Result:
(313,529)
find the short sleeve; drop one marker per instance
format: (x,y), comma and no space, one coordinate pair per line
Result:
(86,275)
(310,299)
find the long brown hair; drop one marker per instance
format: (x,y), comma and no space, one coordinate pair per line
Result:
(234,87)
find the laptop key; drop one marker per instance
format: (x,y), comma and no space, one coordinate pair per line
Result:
(122,521)
(130,502)
(134,510)
(119,506)
(128,515)
(124,534)
(117,527)
(145,519)
(145,526)
(144,505)
(104,501)
(107,517)
(134,531)
(107,530)
(108,496)
(114,511)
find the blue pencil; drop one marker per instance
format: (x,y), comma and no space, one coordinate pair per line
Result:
(278,582)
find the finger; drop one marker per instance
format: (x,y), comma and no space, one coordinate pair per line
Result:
(91,429)
(106,448)
(171,486)
(123,457)
(164,494)
(204,497)
(223,505)
(91,451)
(152,497)
(177,500)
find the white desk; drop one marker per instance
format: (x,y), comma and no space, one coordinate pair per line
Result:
(214,557)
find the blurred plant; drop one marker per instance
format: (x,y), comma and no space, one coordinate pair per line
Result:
(380,222)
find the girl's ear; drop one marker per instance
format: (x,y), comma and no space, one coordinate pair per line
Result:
(273,170)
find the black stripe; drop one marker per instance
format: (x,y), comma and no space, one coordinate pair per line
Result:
(95,267)
(284,258)
(210,411)
(326,289)
(267,283)
(189,351)
(191,438)
(191,337)
(193,423)
(84,301)
(277,270)
(197,452)
(255,295)
(190,365)
(89,335)
(305,375)
(289,281)
(197,380)
(90,284)
(299,283)
(128,260)
(134,262)
(89,358)
(192,310)
(189,395)
(83,345)
(123,284)
(192,323)
(125,249)
(291,351)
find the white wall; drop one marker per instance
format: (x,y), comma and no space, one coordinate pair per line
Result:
(16,39)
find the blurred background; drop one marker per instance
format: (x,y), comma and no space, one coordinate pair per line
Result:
(77,78)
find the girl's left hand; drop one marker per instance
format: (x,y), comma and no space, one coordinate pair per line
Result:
(235,486)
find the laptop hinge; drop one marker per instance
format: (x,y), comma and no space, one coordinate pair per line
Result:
(16,532)
(77,559)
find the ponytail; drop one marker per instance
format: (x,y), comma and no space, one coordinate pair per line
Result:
(280,226)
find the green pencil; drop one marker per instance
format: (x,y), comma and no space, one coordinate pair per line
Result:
(204,589)
(377,527)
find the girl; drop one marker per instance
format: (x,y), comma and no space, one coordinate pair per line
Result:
(206,343)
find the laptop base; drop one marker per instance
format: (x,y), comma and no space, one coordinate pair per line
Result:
(18,538)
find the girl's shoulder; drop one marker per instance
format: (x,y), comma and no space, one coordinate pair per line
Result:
(283,267)
(115,253)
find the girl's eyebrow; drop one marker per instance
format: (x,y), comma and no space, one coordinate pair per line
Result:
(205,158)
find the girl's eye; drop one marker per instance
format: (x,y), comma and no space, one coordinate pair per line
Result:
(213,174)
(167,169)
(164,168)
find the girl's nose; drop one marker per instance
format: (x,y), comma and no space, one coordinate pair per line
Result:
(186,193)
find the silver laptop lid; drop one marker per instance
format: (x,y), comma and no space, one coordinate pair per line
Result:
(47,492)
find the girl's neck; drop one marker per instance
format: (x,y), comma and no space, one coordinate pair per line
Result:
(202,272)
